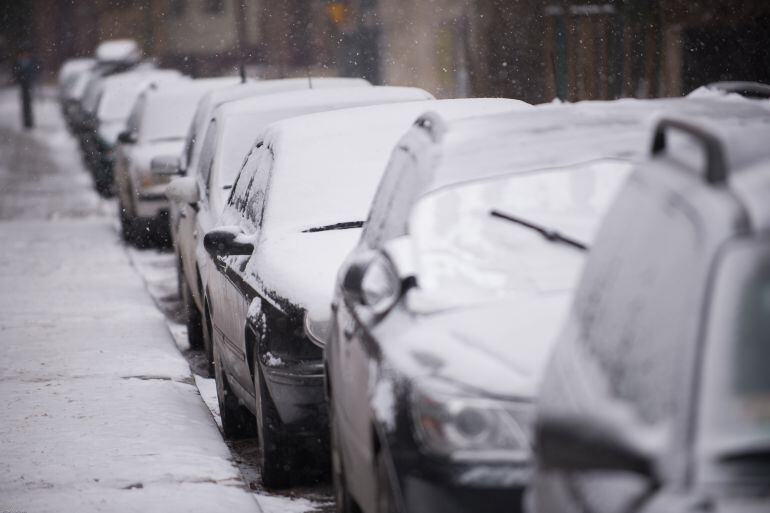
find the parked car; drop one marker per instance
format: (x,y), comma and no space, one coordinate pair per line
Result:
(232,130)
(114,56)
(446,309)
(655,399)
(106,111)
(295,211)
(183,218)
(68,73)
(157,126)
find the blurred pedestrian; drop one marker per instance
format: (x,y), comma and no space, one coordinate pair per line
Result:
(25,72)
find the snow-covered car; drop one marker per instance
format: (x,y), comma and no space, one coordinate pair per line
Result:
(295,211)
(656,396)
(114,56)
(184,221)
(68,73)
(157,125)
(106,111)
(446,310)
(230,135)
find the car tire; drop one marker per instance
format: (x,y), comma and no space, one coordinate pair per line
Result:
(126,224)
(192,315)
(237,420)
(343,501)
(208,340)
(276,458)
(385,500)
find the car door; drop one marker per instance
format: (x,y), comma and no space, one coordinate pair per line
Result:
(357,354)
(241,288)
(216,280)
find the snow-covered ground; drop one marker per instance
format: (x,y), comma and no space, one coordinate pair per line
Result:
(101,409)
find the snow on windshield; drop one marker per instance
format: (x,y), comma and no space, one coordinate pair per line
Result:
(464,254)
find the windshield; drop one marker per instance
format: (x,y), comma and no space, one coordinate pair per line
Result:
(735,416)
(465,254)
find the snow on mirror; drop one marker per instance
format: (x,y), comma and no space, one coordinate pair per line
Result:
(465,255)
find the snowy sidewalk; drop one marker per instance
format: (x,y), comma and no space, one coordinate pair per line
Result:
(100,409)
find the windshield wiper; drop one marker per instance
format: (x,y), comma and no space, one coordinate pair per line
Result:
(339,226)
(547,233)
(750,452)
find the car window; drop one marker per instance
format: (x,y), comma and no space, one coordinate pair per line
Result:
(466,252)
(258,187)
(239,197)
(408,173)
(735,415)
(134,119)
(631,310)
(207,154)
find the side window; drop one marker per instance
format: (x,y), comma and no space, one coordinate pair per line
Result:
(405,178)
(258,188)
(132,124)
(208,151)
(239,196)
(637,317)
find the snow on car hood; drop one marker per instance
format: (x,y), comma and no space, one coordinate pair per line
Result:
(499,348)
(142,154)
(302,267)
(109,131)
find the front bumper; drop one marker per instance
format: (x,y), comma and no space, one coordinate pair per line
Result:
(464,488)
(297,390)
(151,202)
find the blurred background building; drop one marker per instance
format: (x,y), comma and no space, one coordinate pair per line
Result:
(534,50)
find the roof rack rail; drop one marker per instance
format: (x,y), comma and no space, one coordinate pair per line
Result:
(434,124)
(747,89)
(716,164)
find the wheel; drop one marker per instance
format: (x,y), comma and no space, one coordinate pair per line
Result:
(275,445)
(126,223)
(237,421)
(385,502)
(343,501)
(208,341)
(192,314)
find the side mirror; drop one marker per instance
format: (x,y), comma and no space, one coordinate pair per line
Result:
(165,165)
(227,241)
(581,443)
(126,137)
(372,280)
(183,190)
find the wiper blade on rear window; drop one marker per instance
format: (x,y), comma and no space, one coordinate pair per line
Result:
(339,226)
(547,233)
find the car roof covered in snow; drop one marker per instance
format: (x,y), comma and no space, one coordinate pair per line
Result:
(119,92)
(118,50)
(334,160)
(216,97)
(561,134)
(168,107)
(241,121)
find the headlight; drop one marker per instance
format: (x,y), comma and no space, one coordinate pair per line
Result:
(151,180)
(317,331)
(380,285)
(461,427)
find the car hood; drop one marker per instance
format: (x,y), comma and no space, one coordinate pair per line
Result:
(142,154)
(109,130)
(301,267)
(498,348)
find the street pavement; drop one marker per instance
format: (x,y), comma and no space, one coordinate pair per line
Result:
(101,411)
